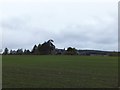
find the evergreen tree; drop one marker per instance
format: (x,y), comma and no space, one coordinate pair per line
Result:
(47,48)
(35,50)
(6,51)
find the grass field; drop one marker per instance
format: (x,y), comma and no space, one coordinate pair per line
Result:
(59,71)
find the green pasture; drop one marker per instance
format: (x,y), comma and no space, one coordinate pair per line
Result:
(32,71)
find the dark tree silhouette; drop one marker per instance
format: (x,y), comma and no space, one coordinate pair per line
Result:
(19,52)
(6,51)
(11,52)
(39,46)
(35,50)
(25,51)
(47,48)
(71,51)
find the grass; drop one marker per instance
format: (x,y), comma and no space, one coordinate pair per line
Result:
(59,71)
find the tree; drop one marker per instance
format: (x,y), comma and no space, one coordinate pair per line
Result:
(11,52)
(6,51)
(26,52)
(71,51)
(47,48)
(19,52)
(35,50)
(39,46)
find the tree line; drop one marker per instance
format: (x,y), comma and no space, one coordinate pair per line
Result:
(47,48)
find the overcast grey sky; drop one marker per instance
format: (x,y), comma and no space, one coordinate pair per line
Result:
(83,24)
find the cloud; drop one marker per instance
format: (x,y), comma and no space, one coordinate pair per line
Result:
(80,25)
